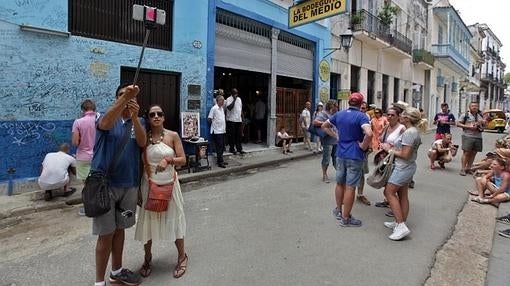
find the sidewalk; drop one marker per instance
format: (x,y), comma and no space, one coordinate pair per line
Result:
(255,157)
(499,259)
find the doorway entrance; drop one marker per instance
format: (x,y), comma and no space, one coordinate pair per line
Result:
(253,90)
(157,87)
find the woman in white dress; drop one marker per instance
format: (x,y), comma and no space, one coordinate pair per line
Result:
(164,151)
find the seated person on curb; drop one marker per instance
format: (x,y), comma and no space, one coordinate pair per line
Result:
(284,140)
(442,150)
(55,172)
(496,184)
(483,166)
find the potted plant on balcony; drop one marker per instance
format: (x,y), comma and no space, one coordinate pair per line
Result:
(386,14)
(357,18)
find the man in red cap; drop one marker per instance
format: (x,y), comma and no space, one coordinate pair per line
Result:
(355,135)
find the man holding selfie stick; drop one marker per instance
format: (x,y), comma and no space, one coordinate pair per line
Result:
(120,135)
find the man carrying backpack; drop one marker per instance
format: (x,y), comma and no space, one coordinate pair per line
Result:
(472,124)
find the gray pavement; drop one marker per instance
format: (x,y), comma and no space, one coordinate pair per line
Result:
(267,227)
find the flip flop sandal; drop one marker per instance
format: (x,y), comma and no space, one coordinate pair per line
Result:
(146,269)
(382,204)
(181,269)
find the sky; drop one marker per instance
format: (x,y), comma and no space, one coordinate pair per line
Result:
(495,14)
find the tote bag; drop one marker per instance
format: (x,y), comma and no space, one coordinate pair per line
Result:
(382,172)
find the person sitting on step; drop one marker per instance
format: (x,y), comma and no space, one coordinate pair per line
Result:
(494,187)
(284,140)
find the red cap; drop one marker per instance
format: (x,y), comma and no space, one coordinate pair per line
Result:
(356,98)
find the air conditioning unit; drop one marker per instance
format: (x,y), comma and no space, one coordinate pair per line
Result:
(440,81)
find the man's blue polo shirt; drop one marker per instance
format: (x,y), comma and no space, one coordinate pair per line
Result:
(126,173)
(348,123)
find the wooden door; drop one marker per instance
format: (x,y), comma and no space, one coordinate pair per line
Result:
(157,87)
(289,104)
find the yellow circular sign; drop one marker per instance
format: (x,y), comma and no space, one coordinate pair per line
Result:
(324,70)
(324,94)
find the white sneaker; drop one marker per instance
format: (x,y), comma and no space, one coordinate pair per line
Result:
(400,231)
(390,224)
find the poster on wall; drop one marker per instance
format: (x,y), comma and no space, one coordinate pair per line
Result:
(190,124)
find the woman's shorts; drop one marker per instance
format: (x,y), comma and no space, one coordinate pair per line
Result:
(402,176)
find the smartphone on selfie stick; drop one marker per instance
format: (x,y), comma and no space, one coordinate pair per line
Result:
(151,17)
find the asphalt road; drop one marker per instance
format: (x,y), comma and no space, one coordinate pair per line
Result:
(271,227)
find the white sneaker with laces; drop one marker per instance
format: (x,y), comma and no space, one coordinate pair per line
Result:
(390,224)
(400,231)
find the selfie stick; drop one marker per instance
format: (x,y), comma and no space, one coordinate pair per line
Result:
(147,33)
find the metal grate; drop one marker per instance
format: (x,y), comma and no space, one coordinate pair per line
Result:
(242,23)
(295,40)
(112,20)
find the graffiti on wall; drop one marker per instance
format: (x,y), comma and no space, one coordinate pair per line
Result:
(25,143)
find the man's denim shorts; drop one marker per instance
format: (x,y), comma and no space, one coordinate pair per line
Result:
(349,172)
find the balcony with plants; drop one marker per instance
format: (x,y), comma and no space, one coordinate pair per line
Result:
(380,27)
(423,56)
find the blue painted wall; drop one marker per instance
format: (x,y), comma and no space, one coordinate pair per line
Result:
(44,78)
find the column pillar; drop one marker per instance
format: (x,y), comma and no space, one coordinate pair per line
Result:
(271,121)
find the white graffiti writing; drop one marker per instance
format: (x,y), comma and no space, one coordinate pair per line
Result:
(23,133)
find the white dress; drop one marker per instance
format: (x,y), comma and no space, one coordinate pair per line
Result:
(171,224)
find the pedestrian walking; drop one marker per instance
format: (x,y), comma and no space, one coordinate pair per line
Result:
(355,136)
(304,122)
(234,122)
(260,118)
(123,182)
(443,120)
(163,153)
(378,123)
(472,124)
(218,128)
(328,141)
(405,150)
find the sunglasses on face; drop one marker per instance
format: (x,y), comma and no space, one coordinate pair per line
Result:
(158,113)
(389,114)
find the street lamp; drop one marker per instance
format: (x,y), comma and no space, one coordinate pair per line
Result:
(345,42)
(346,39)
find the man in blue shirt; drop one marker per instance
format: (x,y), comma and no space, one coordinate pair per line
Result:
(443,120)
(355,135)
(123,181)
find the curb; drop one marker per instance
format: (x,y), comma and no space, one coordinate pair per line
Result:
(188,178)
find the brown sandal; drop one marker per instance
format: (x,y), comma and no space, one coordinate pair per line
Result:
(180,269)
(146,269)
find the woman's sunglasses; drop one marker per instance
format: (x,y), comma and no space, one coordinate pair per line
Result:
(158,113)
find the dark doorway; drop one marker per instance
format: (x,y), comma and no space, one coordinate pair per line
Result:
(385,83)
(157,87)
(396,88)
(251,86)
(355,74)
(334,85)
(370,87)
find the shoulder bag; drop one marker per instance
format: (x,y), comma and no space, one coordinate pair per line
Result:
(96,192)
(158,195)
(382,172)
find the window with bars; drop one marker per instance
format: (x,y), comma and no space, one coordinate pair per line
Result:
(111,20)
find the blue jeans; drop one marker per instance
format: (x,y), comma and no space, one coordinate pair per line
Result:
(327,151)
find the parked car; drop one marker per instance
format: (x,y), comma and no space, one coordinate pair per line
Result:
(496,120)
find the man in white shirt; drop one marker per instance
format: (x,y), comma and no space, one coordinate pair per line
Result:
(234,122)
(218,128)
(55,172)
(305,119)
